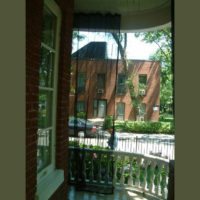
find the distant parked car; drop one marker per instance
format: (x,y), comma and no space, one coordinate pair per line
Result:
(84,128)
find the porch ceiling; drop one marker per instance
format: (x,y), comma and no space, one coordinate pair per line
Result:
(135,14)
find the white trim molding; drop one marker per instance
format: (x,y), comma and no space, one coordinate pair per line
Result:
(49,185)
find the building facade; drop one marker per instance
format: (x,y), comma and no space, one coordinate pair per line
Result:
(100,92)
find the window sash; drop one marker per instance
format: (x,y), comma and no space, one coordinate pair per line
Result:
(81,82)
(143,79)
(44,148)
(80,106)
(101,81)
(95,107)
(51,7)
(120,111)
(121,84)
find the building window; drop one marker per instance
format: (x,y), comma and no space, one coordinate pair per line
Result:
(100,108)
(142,80)
(142,109)
(47,92)
(121,84)
(100,83)
(120,111)
(142,84)
(95,108)
(81,82)
(80,106)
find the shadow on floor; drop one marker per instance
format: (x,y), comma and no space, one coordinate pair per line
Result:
(118,195)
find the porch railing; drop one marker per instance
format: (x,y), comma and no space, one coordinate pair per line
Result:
(164,147)
(146,174)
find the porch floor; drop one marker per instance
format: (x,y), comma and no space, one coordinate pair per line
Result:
(119,194)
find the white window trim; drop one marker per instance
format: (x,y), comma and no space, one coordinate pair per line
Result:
(48,47)
(47,88)
(49,179)
(49,185)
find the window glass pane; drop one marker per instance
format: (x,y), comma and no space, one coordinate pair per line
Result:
(143,79)
(101,81)
(142,109)
(46,68)
(120,111)
(121,85)
(102,108)
(43,149)
(95,108)
(45,109)
(81,82)
(95,103)
(49,28)
(80,106)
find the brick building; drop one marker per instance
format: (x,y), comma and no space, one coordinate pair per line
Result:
(96,81)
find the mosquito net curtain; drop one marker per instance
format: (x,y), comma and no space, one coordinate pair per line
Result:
(99,26)
(94,26)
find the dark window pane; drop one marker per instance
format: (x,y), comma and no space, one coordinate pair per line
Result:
(46,68)
(95,105)
(43,149)
(45,109)
(101,81)
(120,111)
(121,84)
(80,106)
(49,28)
(143,79)
(81,82)
(102,108)
(142,109)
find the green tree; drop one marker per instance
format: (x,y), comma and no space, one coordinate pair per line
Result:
(163,39)
(76,36)
(121,40)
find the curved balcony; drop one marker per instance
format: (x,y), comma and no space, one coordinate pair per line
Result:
(127,173)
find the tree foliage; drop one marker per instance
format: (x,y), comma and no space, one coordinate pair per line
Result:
(121,40)
(163,40)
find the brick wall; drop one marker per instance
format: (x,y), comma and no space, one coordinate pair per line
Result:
(93,67)
(63,93)
(33,39)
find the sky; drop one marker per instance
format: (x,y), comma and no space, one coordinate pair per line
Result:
(136,49)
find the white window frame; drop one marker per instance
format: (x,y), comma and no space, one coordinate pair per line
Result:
(49,179)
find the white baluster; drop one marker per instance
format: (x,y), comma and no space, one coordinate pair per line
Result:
(130,179)
(158,188)
(107,168)
(145,165)
(122,172)
(153,166)
(165,189)
(84,165)
(115,170)
(99,168)
(70,165)
(91,177)
(137,182)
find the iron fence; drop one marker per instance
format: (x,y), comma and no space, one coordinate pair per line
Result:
(145,144)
